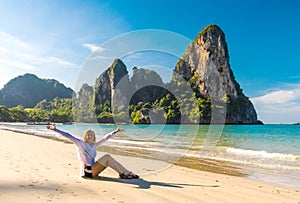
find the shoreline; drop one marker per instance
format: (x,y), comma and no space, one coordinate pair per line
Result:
(214,166)
(202,164)
(40,170)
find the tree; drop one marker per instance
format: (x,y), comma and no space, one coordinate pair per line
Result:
(18,114)
(4,114)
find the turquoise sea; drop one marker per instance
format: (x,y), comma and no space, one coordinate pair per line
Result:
(268,153)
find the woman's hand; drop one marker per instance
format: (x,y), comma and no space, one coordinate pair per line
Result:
(119,130)
(51,127)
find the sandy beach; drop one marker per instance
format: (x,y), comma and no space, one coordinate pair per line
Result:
(35,169)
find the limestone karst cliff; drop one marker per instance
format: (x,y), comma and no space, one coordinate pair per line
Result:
(206,65)
(206,69)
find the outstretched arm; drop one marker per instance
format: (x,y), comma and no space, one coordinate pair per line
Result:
(108,136)
(64,134)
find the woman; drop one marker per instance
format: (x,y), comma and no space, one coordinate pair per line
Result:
(87,150)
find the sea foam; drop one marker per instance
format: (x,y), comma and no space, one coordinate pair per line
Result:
(263,154)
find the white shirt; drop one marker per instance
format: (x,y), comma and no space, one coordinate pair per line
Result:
(86,152)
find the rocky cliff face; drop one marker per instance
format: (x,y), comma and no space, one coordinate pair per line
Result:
(113,87)
(146,86)
(84,96)
(113,83)
(206,65)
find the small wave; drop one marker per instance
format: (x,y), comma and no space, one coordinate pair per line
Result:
(133,143)
(263,154)
(258,163)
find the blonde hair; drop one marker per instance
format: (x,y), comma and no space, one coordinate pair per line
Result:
(86,134)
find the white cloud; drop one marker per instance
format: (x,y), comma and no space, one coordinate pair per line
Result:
(94,48)
(18,54)
(281,106)
(100,57)
(50,60)
(18,57)
(23,66)
(278,97)
(3,50)
(11,41)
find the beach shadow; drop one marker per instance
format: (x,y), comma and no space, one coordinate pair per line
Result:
(144,184)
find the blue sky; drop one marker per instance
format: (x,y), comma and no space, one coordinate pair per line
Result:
(53,39)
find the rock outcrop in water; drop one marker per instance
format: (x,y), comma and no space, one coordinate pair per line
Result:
(206,65)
